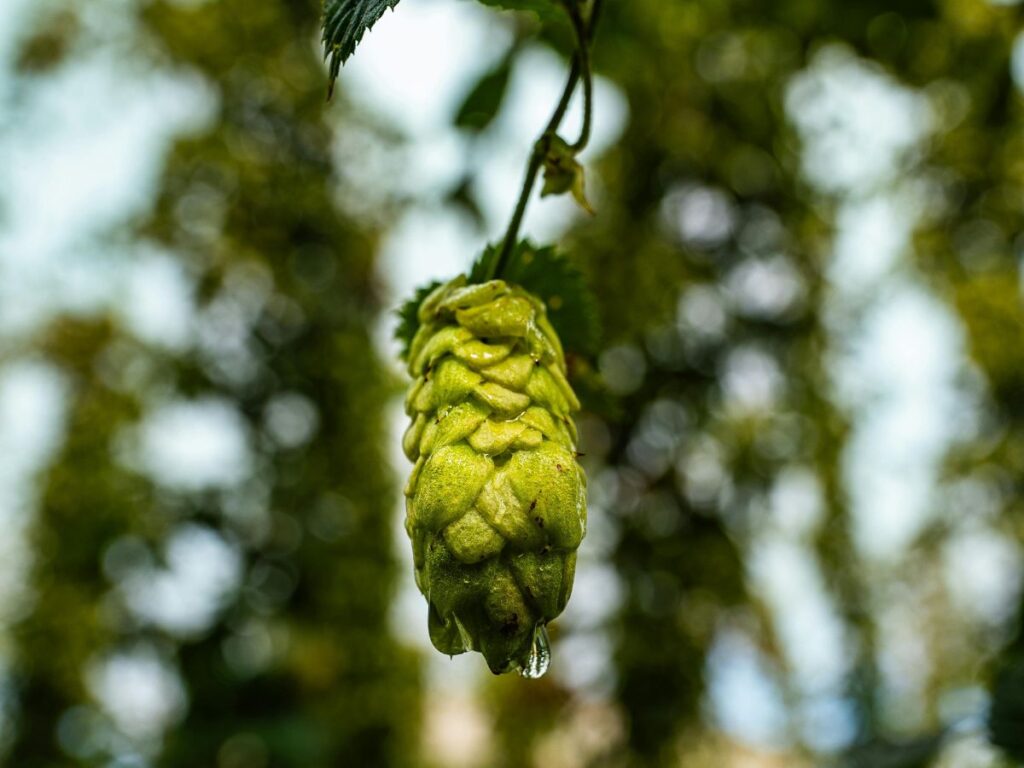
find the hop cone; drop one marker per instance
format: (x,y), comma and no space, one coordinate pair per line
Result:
(496,504)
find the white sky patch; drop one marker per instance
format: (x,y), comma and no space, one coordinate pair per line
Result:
(701,312)
(157,300)
(202,571)
(291,419)
(32,416)
(413,67)
(425,246)
(432,164)
(828,723)
(905,363)
(585,661)
(597,595)
(77,168)
(744,696)
(873,235)
(140,690)
(752,381)
(765,287)
(701,473)
(797,503)
(983,574)
(700,217)
(1017,62)
(788,577)
(657,439)
(224,326)
(195,445)
(859,125)
(582,657)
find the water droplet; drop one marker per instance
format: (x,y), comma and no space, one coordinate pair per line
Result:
(537,664)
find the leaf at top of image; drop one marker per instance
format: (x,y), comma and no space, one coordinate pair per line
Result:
(345,23)
(545,9)
(551,23)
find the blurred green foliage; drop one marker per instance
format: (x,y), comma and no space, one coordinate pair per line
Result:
(248,205)
(314,525)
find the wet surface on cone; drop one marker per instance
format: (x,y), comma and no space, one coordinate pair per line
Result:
(496,502)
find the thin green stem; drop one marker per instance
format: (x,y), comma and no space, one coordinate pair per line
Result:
(540,151)
(583,64)
(580,66)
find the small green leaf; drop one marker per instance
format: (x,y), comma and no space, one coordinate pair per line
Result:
(554,28)
(546,9)
(345,23)
(484,101)
(408,317)
(563,173)
(554,279)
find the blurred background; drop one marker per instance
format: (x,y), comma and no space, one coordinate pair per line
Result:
(806,457)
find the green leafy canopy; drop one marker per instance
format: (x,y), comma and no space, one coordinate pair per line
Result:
(545,273)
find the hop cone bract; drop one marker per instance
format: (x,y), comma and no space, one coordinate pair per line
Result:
(496,503)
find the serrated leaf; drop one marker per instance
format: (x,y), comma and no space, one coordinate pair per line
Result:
(408,317)
(484,101)
(554,279)
(345,23)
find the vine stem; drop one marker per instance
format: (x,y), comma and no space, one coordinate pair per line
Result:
(580,67)
(583,37)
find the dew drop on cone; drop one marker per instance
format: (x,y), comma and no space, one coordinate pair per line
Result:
(537,663)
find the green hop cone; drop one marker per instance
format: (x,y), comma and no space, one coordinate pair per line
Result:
(496,503)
